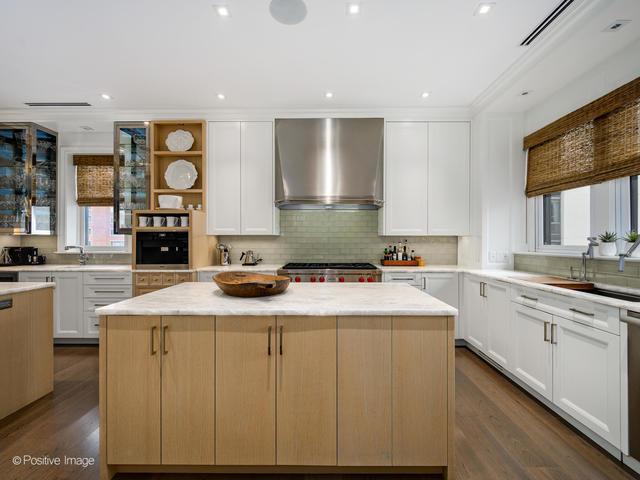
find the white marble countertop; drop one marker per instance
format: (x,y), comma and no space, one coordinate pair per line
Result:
(73,267)
(238,267)
(10,288)
(298,299)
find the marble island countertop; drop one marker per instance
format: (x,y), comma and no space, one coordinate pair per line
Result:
(10,288)
(71,267)
(298,299)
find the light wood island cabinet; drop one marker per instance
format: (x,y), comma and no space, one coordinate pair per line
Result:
(275,393)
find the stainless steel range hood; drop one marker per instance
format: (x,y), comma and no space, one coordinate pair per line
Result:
(329,163)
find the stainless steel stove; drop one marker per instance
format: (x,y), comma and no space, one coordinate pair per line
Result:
(331,272)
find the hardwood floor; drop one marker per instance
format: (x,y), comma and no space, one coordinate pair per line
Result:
(501,433)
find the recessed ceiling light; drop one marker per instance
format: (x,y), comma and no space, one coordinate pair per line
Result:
(106,96)
(616,26)
(328,95)
(221,96)
(425,94)
(483,8)
(223,10)
(353,8)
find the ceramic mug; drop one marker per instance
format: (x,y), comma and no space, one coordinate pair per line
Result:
(184,221)
(159,221)
(143,221)
(172,221)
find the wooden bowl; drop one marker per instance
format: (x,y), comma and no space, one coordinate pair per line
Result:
(243,284)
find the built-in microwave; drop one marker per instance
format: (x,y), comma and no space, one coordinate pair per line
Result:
(168,250)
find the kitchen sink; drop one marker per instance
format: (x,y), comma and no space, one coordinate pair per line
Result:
(627,297)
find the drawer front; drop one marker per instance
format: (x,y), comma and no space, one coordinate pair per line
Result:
(144,290)
(602,317)
(91,325)
(168,279)
(109,278)
(411,278)
(183,277)
(155,279)
(142,279)
(90,304)
(108,291)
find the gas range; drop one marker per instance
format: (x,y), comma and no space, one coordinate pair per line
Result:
(331,272)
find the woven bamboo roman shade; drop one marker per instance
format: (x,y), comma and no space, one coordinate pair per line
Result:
(94,180)
(594,144)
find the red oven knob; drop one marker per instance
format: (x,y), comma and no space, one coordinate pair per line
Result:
(341,279)
(361,279)
(321,279)
(370,279)
(297,279)
(313,279)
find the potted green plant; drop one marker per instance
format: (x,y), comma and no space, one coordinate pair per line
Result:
(608,243)
(630,238)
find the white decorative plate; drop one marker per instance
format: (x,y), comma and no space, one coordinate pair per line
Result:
(181,175)
(179,141)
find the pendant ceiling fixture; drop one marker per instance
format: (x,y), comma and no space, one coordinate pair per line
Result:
(288,12)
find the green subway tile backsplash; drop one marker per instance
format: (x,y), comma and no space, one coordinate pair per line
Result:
(328,236)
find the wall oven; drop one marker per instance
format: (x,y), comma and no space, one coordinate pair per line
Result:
(160,250)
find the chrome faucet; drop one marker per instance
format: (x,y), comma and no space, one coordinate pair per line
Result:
(623,256)
(588,253)
(84,257)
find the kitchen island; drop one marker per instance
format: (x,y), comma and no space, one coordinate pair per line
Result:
(347,378)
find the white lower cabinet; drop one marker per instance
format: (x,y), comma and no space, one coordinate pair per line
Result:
(586,376)
(532,355)
(443,286)
(475,313)
(498,298)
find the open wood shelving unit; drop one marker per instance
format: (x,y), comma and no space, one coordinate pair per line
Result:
(161,157)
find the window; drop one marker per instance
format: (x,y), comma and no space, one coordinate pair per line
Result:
(97,229)
(565,219)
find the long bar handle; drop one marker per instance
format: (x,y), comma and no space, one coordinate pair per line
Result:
(269,340)
(588,314)
(165,350)
(546,331)
(554,340)
(533,299)
(630,317)
(281,337)
(152,340)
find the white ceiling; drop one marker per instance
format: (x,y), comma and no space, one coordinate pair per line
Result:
(178,54)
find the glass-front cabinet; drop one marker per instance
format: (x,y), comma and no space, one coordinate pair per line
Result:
(131,172)
(28,179)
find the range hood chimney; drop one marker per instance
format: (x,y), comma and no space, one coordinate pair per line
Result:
(324,163)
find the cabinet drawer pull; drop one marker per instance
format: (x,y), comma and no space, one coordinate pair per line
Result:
(165,350)
(153,342)
(424,283)
(533,299)
(281,337)
(546,331)
(409,279)
(269,341)
(109,278)
(96,324)
(554,331)
(588,314)
(109,291)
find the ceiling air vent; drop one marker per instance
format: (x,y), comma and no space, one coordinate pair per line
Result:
(58,104)
(562,6)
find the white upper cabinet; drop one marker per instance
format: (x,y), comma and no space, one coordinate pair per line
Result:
(223,182)
(426,178)
(258,214)
(406,170)
(241,179)
(448,182)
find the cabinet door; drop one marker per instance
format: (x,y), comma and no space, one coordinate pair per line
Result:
(188,390)
(306,398)
(531,348)
(586,376)
(245,390)
(499,323)
(475,313)
(444,286)
(223,179)
(405,209)
(68,316)
(419,372)
(133,390)
(257,179)
(364,391)
(448,185)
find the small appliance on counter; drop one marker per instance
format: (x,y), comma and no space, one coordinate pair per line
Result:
(162,249)
(21,256)
(250,258)
(225,254)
